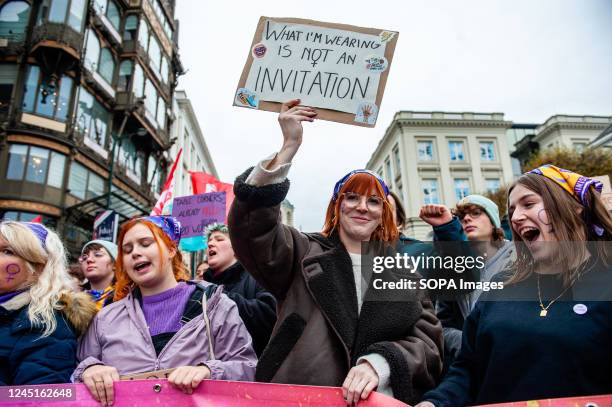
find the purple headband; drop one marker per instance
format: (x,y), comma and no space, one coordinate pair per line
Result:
(169,225)
(344,179)
(39,231)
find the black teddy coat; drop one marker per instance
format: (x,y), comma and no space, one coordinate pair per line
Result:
(319,334)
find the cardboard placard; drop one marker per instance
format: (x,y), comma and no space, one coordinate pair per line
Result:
(195,212)
(341,70)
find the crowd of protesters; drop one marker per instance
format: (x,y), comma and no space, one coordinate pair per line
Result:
(273,304)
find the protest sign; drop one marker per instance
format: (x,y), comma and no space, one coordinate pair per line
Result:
(210,393)
(217,393)
(195,212)
(105,226)
(339,69)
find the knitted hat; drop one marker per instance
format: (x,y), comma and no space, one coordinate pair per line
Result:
(110,247)
(485,203)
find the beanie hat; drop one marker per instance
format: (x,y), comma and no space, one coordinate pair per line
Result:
(485,203)
(110,247)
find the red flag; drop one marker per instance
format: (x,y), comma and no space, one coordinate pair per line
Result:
(37,219)
(166,194)
(203,183)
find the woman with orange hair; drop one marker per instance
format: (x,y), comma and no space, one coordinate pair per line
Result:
(331,329)
(161,321)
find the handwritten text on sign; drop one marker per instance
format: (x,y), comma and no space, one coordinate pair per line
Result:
(195,212)
(328,68)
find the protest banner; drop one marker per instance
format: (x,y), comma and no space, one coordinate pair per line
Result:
(210,393)
(195,212)
(203,183)
(339,69)
(106,225)
(218,393)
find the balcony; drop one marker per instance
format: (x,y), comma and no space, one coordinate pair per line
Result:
(12,45)
(58,39)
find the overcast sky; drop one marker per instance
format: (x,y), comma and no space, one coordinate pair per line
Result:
(527,59)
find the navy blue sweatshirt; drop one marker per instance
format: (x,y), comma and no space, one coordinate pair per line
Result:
(510,353)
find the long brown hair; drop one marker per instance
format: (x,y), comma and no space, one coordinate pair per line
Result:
(362,183)
(124,282)
(572,225)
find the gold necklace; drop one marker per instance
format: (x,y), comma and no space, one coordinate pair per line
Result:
(544,309)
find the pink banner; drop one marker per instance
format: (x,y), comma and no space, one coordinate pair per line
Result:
(589,401)
(210,393)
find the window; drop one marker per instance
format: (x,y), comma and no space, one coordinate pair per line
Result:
(138,87)
(143,35)
(85,184)
(107,65)
(39,165)
(75,17)
(380,172)
(57,13)
(430,191)
(42,97)
(17,158)
(56,170)
(161,16)
(149,43)
(462,188)
(153,177)
(92,51)
(154,53)
(128,158)
(27,217)
(151,97)
(113,15)
(78,180)
(492,185)
(71,12)
(130,28)
(161,113)
(389,171)
(125,74)
(99,59)
(109,9)
(14,16)
(487,151)
(425,150)
(456,150)
(579,146)
(8,77)
(396,157)
(92,118)
(38,161)
(164,70)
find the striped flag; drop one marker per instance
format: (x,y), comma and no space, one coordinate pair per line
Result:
(166,194)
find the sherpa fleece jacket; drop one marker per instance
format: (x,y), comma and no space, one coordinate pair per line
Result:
(319,334)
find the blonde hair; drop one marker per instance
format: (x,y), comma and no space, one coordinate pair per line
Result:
(48,265)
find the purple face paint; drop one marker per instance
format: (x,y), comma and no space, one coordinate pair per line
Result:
(12,270)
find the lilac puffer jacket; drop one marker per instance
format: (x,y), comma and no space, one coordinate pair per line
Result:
(119,337)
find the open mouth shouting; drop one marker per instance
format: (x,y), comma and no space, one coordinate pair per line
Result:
(212,253)
(529,233)
(142,267)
